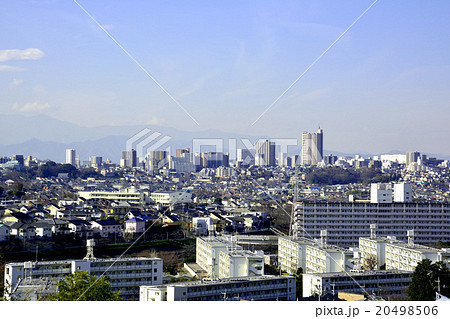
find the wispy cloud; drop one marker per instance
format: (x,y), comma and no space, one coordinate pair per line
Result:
(30,107)
(16,54)
(15,82)
(9,68)
(198,84)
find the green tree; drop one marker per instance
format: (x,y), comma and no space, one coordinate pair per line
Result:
(429,278)
(84,287)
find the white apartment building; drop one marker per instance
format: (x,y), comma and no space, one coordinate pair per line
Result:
(131,195)
(240,263)
(346,222)
(383,283)
(171,198)
(312,256)
(125,274)
(380,193)
(243,288)
(370,247)
(292,253)
(200,225)
(221,257)
(406,256)
(208,251)
(328,259)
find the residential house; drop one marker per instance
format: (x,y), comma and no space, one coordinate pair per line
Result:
(135,225)
(16,217)
(58,226)
(107,228)
(22,231)
(80,228)
(42,229)
(4,232)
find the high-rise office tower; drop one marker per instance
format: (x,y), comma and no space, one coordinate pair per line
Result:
(96,161)
(157,160)
(265,153)
(129,158)
(181,151)
(312,147)
(412,157)
(70,157)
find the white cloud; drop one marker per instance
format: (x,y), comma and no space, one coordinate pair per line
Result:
(15,54)
(15,83)
(30,107)
(9,68)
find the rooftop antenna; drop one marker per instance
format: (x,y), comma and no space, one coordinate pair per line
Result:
(410,238)
(373,228)
(90,243)
(323,237)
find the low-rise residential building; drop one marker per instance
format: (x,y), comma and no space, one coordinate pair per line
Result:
(208,251)
(312,256)
(131,195)
(200,225)
(107,228)
(125,274)
(373,249)
(135,225)
(324,259)
(240,263)
(242,288)
(381,283)
(406,256)
(171,198)
(4,232)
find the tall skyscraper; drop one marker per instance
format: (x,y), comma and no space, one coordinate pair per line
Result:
(70,157)
(312,147)
(157,160)
(412,157)
(265,153)
(129,158)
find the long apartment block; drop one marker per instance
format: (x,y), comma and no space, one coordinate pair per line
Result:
(125,274)
(346,222)
(226,289)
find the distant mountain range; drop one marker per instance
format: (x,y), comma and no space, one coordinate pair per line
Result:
(44,137)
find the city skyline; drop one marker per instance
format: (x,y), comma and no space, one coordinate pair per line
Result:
(222,63)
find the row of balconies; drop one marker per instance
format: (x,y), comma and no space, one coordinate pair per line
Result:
(52,271)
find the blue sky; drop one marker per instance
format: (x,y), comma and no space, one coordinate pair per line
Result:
(384,85)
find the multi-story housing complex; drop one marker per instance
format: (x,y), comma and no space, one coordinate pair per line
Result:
(312,256)
(312,147)
(383,283)
(394,254)
(131,195)
(373,249)
(240,263)
(208,251)
(125,274)
(347,221)
(406,256)
(292,253)
(328,259)
(221,257)
(242,288)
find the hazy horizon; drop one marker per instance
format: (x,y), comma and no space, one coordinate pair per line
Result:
(381,87)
